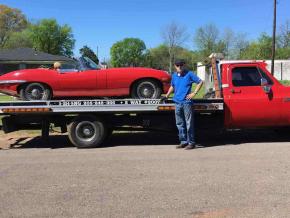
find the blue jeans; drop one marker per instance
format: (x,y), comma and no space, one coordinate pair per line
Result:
(184,117)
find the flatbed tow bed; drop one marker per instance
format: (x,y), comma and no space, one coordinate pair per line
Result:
(90,122)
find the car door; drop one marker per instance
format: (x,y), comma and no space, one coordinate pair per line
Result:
(77,83)
(249,104)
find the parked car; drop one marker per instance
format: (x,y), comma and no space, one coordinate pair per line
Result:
(85,79)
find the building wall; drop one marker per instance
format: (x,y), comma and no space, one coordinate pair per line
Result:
(281,69)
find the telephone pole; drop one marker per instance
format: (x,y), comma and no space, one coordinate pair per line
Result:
(274,38)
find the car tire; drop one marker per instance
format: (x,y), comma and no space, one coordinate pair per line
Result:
(146,89)
(87,131)
(35,92)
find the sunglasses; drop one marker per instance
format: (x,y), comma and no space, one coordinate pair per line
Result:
(179,65)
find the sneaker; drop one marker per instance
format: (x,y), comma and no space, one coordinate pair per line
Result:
(181,146)
(190,146)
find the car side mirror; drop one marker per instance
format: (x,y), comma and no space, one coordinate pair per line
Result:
(266,87)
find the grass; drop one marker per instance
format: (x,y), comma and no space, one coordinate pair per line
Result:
(6,98)
(200,94)
(285,82)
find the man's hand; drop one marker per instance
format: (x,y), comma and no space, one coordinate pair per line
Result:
(190,96)
(163,98)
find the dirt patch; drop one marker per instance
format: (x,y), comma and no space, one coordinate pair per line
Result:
(21,138)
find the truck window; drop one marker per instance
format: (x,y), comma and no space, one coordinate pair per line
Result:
(246,76)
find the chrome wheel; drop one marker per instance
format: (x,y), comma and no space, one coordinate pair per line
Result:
(34,92)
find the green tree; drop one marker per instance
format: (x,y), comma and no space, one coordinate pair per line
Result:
(86,51)
(19,40)
(283,53)
(260,49)
(128,52)
(159,57)
(11,20)
(48,36)
(191,58)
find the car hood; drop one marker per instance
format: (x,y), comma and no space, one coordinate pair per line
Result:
(23,74)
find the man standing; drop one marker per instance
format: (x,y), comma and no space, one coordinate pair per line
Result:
(181,84)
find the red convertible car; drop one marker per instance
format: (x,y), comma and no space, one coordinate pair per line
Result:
(86,79)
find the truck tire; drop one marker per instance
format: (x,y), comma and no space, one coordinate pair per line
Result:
(87,131)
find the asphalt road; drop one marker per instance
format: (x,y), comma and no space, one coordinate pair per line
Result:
(238,174)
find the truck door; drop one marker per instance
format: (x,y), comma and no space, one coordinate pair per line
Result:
(249,104)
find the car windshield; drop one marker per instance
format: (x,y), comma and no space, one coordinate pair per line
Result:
(87,64)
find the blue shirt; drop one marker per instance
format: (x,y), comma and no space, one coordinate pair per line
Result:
(182,84)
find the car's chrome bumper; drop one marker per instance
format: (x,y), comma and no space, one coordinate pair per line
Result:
(8,82)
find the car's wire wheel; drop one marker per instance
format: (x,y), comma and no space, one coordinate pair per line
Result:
(34,92)
(146,89)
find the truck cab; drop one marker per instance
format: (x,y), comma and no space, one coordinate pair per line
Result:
(252,96)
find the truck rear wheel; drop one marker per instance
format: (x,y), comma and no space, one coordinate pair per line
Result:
(87,131)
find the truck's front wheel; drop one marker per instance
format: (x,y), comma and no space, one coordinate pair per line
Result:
(87,131)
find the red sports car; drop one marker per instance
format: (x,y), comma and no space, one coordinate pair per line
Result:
(86,79)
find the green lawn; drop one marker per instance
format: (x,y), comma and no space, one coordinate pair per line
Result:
(6,98)
(285,82)
(200,94)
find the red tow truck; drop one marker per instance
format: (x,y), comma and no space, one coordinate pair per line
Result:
(245,95)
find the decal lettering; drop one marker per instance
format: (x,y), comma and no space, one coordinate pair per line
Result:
(135,102)
(104,102)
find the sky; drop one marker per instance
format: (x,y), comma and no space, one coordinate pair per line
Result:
(99,24)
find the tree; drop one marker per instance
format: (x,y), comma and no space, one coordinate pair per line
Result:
(19,40)
(260,49)
(284,35)
(240,44)
(48,36)
(11,20)
(174,35)
(88,52)
(159,57)
(227,42)
(130,52)
(206,39)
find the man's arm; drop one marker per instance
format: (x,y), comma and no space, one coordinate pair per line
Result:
(197,88)
(170,90)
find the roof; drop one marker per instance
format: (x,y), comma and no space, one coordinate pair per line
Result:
(29,54)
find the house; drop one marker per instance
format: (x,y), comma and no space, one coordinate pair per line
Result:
(22,58)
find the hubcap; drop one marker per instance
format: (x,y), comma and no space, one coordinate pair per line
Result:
(146,91)
(35,93)
(85,131)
